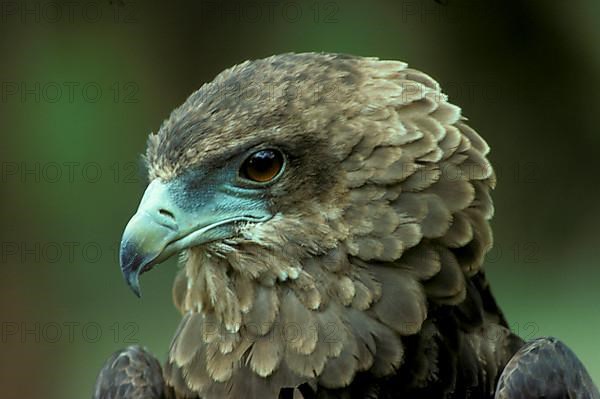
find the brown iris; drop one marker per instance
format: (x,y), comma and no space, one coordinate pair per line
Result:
(262,166)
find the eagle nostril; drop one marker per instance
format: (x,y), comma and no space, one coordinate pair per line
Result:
(166,213)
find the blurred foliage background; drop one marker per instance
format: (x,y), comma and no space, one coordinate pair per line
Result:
(84,82)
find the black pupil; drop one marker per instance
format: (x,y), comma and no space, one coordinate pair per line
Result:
(263,161)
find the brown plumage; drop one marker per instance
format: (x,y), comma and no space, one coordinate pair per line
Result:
(131,373)
(366,278)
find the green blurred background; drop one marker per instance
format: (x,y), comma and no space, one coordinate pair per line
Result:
(83,83)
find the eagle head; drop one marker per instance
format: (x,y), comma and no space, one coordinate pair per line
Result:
(327,196)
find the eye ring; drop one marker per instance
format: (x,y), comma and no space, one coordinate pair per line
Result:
(262,166)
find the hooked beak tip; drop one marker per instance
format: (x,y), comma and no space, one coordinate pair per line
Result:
(131,266)
(133,282)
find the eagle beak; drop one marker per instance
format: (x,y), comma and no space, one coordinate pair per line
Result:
(162,226)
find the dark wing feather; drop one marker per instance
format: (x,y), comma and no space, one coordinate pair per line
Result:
(131,373)
(545,368)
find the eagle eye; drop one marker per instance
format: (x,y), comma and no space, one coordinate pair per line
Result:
(262,166)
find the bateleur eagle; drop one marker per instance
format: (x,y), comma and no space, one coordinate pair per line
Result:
(332,214)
